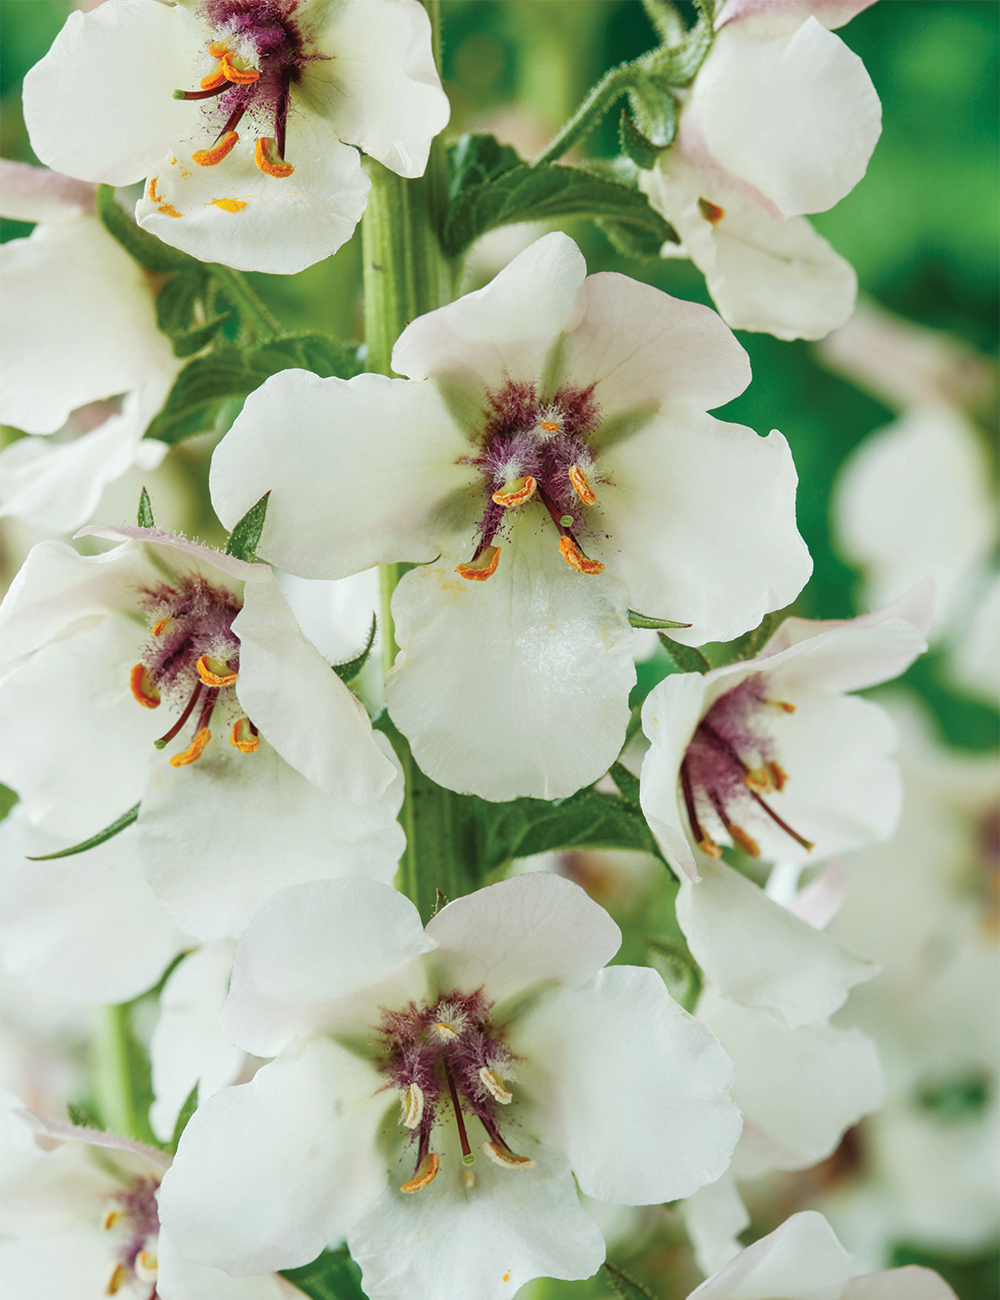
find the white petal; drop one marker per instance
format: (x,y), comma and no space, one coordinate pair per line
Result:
(760,955)
(270,1172)
(100,104)
(178,1278)
(221,835)
(630,1086)
(309,956)
(452,1242)
(235,214)
(775,17)
(531,930)
(85,928)
(505,330)
(29,193)
(801,1260)
(382,457)
(795,116)
(912,1283)
(186,1047)
(670,714)
(300,704)
(38,1268)
(799,1089)
(713,1219)
(700,520)
(517,685)
(382,91)
(79,324)
(335,615)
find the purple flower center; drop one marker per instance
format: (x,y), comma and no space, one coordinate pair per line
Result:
(134,1219)
(729,764)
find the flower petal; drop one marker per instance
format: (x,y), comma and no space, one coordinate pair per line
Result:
(630,1086)
(775,17)
(802,1258)
(178,1278)
(32,193)
(911,1283)
(670,714)
(517,685)
(713,1219)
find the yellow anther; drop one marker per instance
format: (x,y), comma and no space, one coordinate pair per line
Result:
(781,704)
(425,1175)
(712,213)
(161,623)
(758,779)
(494,1085)
(194,751)
(550,426)
(778,776)
(146,1266)
(214,672)
(581,485)
(270,162)
(740,837)
(217,49)
(115,1280)
(483,568)
(244,736)
(709,847)
(445,1031)
(209,157)
(215,79)
(576,559)
(238,76)
(517,496)
(143,687)
(502,1155)
(111,1218)
(413,1105)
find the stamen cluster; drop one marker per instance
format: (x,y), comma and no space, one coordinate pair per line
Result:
(133,1216)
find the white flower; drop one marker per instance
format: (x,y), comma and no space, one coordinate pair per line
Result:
(277,775)
(437,1090)
(770,754)
(79,327)
(781,120)
(551,447)
(258,173)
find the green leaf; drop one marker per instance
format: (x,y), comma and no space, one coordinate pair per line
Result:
(625,1287)
(206,384)
(474,159)
(183,300)
(333,1276)
(81,1116)
(641,150)
(187,1110)
(627,783)
(349,669)
(643,620)
(754,641)
(244,538)
(655,112)
(676,65)
(147,250)
(682,970)
(124,821)
(144,515)
(686,657)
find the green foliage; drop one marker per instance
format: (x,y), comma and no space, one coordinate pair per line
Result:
(120,824)
(245,537)
(187,311)
(956,1099)
(144,515)
(643,620)
(148,251)
(8,798)
(972,1278)
(625,1287)
(635,143)
(687,658)
(230,371)
(81,1116)
(754,642)
(349,669)
(186,1111)
(679,969)
(332,1276)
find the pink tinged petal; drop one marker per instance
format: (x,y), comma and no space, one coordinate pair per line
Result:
(911,1283)
(80,324)
(645,350)
(270,1172)
(178,1278)
(532,930)
(131,1154)
(452,1241)
(383,469)
(630,1086)
(100,104)
(700,524)
(300,705)
(795,116)
(517,685)
(235,214)
(760,955)
(820,901)
(383,92)
(310,956)
(201,864)
(183,556)
(87,929)
(29,193)
(797,1261)
(670,714)
(508,328)
(776,17)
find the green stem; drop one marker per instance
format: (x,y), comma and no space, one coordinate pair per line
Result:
(113,1091)
(252,310)
(611,87)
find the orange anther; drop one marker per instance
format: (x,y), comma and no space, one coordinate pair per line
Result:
(581,485)
(517,496)
(425,1175)
(549,426)
(759,780)
(217,49)
(194,750)
(709,847)
(143,687)
(215,79)
(576,559)
(159,625)
(114,1282)
(270,162)
(483,568)
(712,213)
(781,704)
(213,672)
(209,157)
(244,736)
(238,76)
(501,1154)
(740,837)
(778,775)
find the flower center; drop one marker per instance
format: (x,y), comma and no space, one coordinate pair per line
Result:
(729,762)
(259,56)
(192,660)
(448,1060)
(536,451)
(132,1216)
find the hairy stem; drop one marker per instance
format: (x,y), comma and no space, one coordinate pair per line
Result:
(611,87)
(252,310)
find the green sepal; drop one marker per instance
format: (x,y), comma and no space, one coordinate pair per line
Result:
(687,658)
(676,65)
(755,641)
(331,1276)
(677,957)
(635,144)
(206,384)
(245,537)
(186,1111)
(349,669)
(147,250)
(643,620)
(625,1287)
(177,306)
(144,515)
(109,832)
(627,783)
(81,1116)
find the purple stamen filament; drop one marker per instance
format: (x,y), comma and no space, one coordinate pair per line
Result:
(467,1155)
(168,736)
